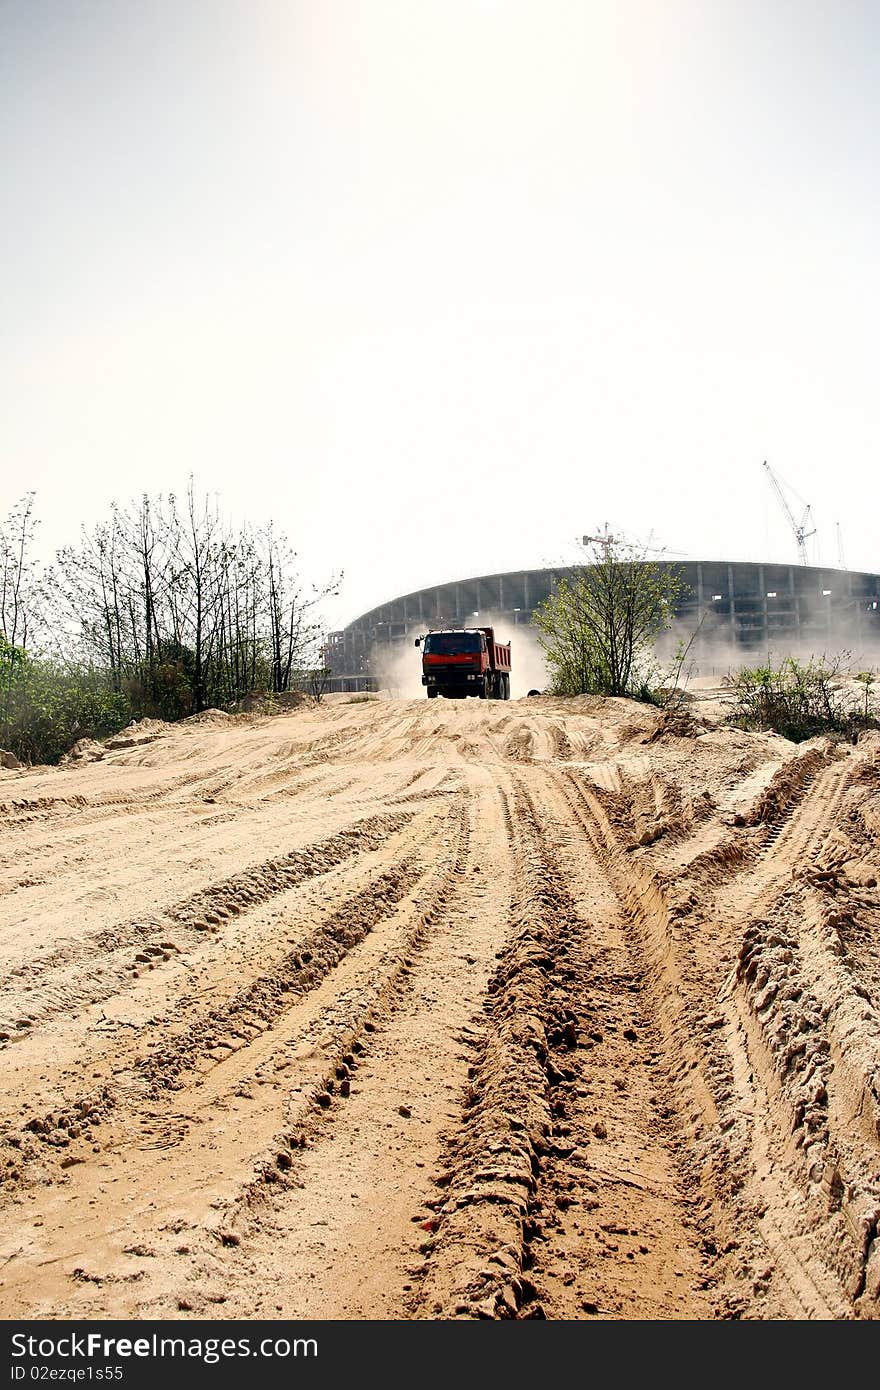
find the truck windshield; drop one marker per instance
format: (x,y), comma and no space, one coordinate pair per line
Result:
(449,643)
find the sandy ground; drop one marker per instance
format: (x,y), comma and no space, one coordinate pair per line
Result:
(398,1010)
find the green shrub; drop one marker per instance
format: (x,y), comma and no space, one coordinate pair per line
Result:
(800,699)
(598,626)
(46,706)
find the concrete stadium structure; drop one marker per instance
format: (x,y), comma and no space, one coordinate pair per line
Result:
(740,609)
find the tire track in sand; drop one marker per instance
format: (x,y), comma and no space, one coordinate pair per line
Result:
(92,968)
(562,1192)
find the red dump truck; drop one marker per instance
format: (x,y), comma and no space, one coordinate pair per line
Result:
(457,662)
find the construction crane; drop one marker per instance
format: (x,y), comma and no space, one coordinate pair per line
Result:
(607,540)
(840,560)
(801,534)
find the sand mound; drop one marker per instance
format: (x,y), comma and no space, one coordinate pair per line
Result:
(208,716)
(85,750)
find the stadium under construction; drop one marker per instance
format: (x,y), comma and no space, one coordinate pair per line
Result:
(737,611)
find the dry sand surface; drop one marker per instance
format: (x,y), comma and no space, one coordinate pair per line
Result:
(394,1009)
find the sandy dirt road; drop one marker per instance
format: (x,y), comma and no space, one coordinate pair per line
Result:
(389,1009)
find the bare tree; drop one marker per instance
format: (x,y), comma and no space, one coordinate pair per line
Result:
(17,587)
(294,632)
(181,610)
(17,592)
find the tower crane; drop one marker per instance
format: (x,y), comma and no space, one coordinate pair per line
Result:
(607,540)
(801,534)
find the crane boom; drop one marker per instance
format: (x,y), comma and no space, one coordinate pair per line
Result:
(801,534)
(607,540)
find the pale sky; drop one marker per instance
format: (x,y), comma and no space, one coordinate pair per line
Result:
(439,285)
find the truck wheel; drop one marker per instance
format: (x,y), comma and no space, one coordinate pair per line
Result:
(505,694)
(432,694)
(483,691)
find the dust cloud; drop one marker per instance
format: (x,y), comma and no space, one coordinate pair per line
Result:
(713,653)
(399,668)
(528,669)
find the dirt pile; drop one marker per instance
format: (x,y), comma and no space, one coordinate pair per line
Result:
(85,750)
